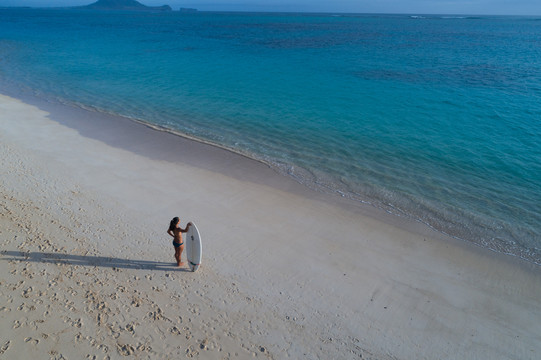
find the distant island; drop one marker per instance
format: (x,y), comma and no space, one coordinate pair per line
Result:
(123,5)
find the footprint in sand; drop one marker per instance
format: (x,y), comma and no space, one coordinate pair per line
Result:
(78,337)
(204,344)
(174,330)
(130,328)
(31,341)
(16,324)
(5,347)
(125,350)
(102,319)
(191,352)
(36,323)
(136,302)
(103,348)
(18,285)
(27,292)
(26,308)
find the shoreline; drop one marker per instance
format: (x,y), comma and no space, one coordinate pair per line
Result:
(280,179)
(274,251)
(160,143)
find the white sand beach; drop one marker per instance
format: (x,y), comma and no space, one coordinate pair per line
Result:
(87,269)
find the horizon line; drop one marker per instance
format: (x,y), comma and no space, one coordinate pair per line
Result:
(272,11)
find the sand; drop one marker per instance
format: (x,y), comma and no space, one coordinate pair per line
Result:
(87,269)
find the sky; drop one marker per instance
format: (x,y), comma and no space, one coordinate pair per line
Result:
(467,7)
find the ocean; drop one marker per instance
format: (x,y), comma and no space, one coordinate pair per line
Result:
(434,118)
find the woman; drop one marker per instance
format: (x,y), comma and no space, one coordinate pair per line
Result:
(176,232)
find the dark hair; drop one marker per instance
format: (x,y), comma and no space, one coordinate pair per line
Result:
(173,223)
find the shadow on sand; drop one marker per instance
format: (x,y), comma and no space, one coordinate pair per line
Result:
(99,261)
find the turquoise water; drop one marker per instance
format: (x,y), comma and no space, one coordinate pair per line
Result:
(434,118)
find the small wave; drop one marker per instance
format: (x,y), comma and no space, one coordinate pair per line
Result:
(444,17)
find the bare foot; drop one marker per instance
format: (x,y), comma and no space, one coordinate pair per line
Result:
(181,264)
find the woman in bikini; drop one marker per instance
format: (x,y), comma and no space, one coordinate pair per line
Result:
(176,232)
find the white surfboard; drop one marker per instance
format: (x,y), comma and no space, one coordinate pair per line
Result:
(193,247)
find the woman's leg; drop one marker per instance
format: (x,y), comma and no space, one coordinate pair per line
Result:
(177,255)
(180,249)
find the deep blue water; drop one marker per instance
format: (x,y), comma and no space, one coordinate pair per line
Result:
(435,118)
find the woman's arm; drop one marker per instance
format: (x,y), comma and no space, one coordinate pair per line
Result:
(170,233)
(187,227)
